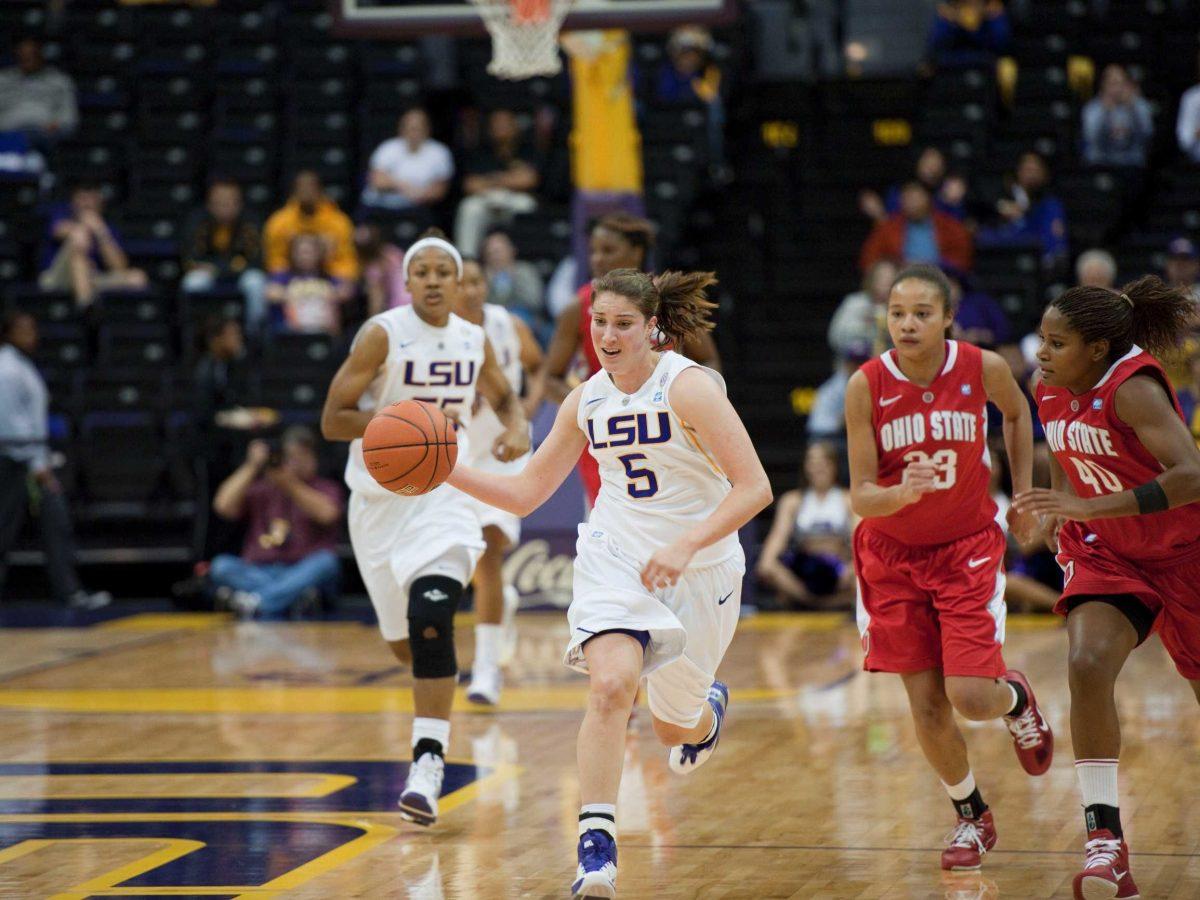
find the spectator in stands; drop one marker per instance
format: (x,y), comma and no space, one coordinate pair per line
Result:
(827,418)
(83,254)
(969,33)
(978,318)
(512,282)
(919,234)
(1029,214)
(26,474)
(1189,394)
(500,180)
(411,170)
(382,270)
(949,191)
(1118,125)
(1187,126)
(307,297)
(291,517)
(36,99)
(806,556)
(1183,264)
(1096,268)
(859,319)
(222,246)
(309,211)
(690,77)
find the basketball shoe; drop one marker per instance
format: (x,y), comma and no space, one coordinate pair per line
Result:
(1105,874)
(485,685)
(967,843)
(597,872)
(418,801)
(687,758)
(1032,738)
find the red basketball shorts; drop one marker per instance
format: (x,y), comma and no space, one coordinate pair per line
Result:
(937,606)
(1169,589)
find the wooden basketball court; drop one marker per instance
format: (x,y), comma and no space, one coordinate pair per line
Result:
(189,756)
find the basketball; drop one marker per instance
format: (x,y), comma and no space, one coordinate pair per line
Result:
(410,447)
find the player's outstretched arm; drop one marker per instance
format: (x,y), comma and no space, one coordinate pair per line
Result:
(531,364)
(563,344)
(1002,389)
(547,469)
(495,389)
(868,498)
(341,419)
(1143,405)
(699,401)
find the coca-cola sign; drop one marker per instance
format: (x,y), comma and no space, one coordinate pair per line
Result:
(541,567)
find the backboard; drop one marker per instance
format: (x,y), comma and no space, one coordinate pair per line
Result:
(399,18)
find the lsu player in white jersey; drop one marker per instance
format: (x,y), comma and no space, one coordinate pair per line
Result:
(518,354)
(658,568)
(416,554)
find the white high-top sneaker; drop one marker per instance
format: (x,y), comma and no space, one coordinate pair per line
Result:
(418,802)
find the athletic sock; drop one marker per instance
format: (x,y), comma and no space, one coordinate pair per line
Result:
(966,798)
(487,645)
(598,817)
(430,736)
(1020,698)
(1098,788)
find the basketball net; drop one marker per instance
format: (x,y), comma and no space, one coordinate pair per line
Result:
(524,35)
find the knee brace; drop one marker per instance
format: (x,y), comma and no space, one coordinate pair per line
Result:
(432,603)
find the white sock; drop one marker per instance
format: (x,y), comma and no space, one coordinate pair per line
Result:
(487,645)
(598,816)
(434,729)
(963,789)
(1097,781)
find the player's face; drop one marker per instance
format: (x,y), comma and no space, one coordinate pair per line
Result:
(620,333)
(608,250)
(819,469)
(472,292)
(1064,358)
(433,282)
(916,317)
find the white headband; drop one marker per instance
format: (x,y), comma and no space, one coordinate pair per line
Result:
(438,243)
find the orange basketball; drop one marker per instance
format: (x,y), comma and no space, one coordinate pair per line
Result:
(410,447)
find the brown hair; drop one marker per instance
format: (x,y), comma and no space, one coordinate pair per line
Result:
(675,298)
(1145,312)
(636,231)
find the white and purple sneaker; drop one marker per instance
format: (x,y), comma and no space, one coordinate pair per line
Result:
(418,801)
(597,872)
(687,758)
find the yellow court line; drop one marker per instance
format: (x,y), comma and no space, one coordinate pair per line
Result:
(172,621)
(174,849)
(149,786)
(299,700)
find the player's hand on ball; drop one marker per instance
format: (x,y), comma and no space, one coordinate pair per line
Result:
(665,567)
(511,445)
(918,480)
(1046,502)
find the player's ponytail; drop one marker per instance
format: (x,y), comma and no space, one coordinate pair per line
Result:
(1146,312)
(683,309)
(675,298)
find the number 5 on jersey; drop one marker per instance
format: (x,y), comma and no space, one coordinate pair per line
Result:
(635,475)
(945,463)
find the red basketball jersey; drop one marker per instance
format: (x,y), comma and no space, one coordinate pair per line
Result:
(945,424)
(1100,454)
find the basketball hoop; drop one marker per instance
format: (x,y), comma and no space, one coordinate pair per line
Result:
(524,35)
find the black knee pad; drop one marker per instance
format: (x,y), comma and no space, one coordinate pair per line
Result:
(432,602)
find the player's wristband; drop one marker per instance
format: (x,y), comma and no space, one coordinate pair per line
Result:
(1151,498)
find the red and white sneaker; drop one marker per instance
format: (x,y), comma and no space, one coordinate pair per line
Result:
(967,843)
(1105,874)
(1032,738)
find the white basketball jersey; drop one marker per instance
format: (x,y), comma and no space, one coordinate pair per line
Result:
(436,365)
(657,480)
(822,516)
(485,427)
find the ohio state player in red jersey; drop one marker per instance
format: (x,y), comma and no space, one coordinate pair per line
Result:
(928,553)
(1123,508)
(619,240)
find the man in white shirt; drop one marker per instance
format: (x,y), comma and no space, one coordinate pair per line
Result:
(36,98)
(410,170)
(1187,126)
